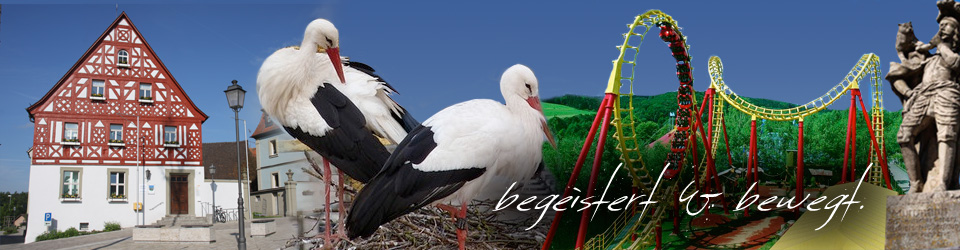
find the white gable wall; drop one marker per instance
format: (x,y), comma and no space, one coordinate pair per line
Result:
(94,207)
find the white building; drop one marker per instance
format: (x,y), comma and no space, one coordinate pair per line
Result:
(223,184)
(272,166)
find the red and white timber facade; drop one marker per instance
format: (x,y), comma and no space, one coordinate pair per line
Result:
(116,130)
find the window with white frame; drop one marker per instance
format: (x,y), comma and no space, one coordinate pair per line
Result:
(70,132)
(71,184)
(118,183)
(273,148)
(170,135)
(123,58)
(97,88)
(146,92)
(116,133)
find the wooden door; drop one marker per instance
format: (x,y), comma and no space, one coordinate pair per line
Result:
(179,202)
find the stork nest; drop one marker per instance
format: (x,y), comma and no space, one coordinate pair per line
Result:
(432,228)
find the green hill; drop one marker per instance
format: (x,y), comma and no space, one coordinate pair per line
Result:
(551,110)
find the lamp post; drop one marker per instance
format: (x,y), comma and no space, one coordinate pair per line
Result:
(235,95)
(213,190)
(10,200)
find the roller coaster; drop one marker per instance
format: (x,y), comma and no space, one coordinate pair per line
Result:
(641,228)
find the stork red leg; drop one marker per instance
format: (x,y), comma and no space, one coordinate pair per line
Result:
(462,226)
(328,239)
(342,209)
(449,209)
(459,217)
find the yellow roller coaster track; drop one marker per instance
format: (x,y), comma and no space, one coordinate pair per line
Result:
(869,64)
(621,76)
(642,226)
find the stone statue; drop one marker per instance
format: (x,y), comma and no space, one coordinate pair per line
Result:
(927,85)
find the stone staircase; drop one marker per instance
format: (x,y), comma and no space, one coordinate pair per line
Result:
(176,228)
(178,220)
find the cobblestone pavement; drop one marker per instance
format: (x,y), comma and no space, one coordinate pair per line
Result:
(225,235)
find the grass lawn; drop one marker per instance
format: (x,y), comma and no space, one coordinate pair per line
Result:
(551,110)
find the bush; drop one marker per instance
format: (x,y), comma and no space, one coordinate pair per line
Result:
(111,226)
(9,230)
(71,232)
(49,236)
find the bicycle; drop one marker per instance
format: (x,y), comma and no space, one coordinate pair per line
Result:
(219,215)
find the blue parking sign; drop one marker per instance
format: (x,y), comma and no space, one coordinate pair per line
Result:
(47,217)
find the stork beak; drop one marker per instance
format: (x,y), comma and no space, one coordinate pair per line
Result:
(334,54)
(535,104)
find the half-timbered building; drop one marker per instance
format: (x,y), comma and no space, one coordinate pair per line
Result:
(116,139)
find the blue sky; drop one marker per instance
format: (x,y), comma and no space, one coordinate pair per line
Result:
(439,53)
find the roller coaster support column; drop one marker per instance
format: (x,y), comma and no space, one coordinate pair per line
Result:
(713,178)
(851,130)
(676,212)
(799,196)
(659,237)
(597,159)
(708,97)
(602,113)
(881,156)
(750,162)
(853,146)
(756,163)
(711,171)
(752,166)
(708,101)
(692,141)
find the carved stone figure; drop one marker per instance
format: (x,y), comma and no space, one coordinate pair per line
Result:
(927,85)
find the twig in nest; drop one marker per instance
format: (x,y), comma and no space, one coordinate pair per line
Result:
(431,228)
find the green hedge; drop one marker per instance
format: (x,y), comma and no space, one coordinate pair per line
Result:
(71,232)
(111,226)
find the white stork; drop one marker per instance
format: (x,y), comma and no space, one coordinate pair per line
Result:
(448,159)
(335,111)
(338,112)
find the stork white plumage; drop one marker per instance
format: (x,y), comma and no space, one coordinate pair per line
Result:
(450,158)
(294,86)
(337,111)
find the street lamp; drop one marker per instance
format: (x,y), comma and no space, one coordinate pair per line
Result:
(213,190)
(235,95)
(10,203)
